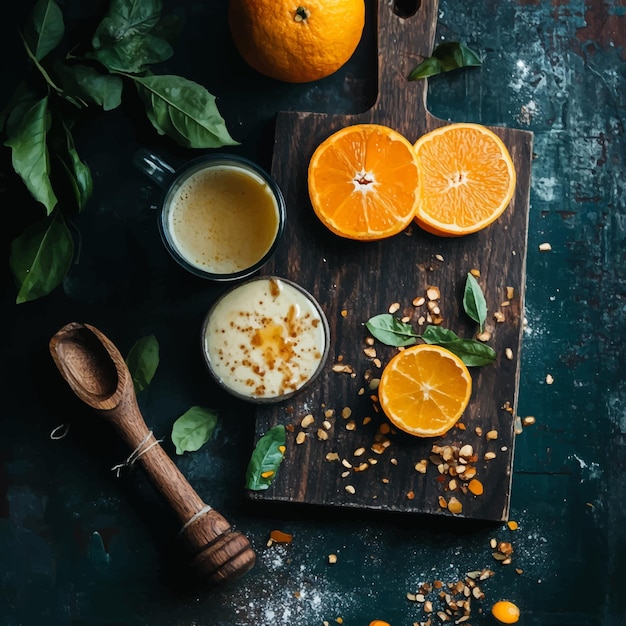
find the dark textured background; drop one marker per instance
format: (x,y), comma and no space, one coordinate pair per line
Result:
(555,68)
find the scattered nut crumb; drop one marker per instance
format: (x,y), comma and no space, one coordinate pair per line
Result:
(332,558)
(419,301)
(350,489)
(549,379)
(545,247)
(394,307)
(300,437)
(509,354)
(307,420)
(528,420)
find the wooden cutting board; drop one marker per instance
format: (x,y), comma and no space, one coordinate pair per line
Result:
(354,281)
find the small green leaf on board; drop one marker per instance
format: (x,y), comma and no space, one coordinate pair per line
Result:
(266,458)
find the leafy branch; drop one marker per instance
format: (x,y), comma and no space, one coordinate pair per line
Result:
(394,332)
(38,121)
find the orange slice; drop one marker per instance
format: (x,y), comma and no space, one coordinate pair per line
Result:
(467,179)
(364,182)
(424,390)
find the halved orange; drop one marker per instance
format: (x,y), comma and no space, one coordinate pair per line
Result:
(467,179)
(364,182)
(424,390)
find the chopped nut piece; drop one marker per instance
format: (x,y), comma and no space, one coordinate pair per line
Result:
(478,430)
(484,336)
(350,489)
(439,257)
(508,353)
(545,247)
(549,379)
(453,484)
(344,313)
(377,362)
(307,420)
(359,452)
(345,474)
(370,341)
(351,425)
(329,413)
(361,467)
(454,506)
(300,437)
(332,558)
(477,593)
(278,536)
(443,502)
(332,456)
(394,307)
(411,597)
(344,369)
(491,435)
(433,293)
(512,525)
(370,352)
(475,272)
(528,420)
(489,456)
(410,495)
(419,301)
(322,434)
(498,316)
(373,385)
(421,466)
(428,606)
(466,451)
(346,463)
(327,425)
(510,292)
(366,420)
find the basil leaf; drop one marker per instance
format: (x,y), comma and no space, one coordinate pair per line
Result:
(126,18)
(446,57)
(474,301)
(142,361)
(134,54)
(472,352)
(390,330)
(86,82)
(266,457)
(30,153)
(183,110)
(45,28)
(193,429)
(40,257)
(78,172)
(123,41)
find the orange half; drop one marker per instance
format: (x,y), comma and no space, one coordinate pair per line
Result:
(467,179)
(424,390)
(364,182)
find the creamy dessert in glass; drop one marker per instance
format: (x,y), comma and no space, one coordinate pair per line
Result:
(265,339)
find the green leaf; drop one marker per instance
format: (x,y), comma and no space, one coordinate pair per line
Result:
(142,361)
(45,28)
(183,110)
(474,301)
(40,257)
(124,41)
(193,429)
(134,54)
(266,459)
(78,172)
(88,83)
(472,352)
(446,57)
(30,153)
(126,18)
(391,331)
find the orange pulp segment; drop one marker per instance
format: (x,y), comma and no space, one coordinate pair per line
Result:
(467,179)
(364,182)
(424,390)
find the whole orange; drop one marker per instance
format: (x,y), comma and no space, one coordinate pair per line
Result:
(296,41)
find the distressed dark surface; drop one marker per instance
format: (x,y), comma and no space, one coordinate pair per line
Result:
(554,68)
(363,279)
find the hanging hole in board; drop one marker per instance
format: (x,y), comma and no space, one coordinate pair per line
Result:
(406,8)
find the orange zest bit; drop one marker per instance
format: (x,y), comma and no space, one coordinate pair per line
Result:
(281,537)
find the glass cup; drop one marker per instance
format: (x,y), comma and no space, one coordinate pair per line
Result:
(221,216)
(265,339)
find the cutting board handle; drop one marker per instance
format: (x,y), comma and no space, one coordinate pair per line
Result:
(406,33)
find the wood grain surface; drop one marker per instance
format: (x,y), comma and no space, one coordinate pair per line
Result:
(354,281)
